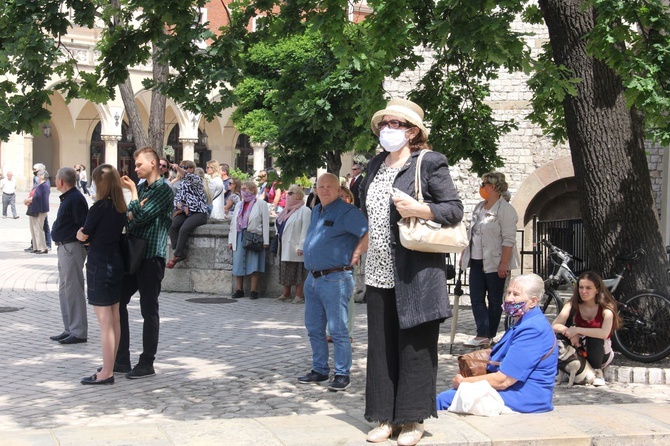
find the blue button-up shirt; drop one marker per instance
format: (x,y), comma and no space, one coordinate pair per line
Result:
(334,231)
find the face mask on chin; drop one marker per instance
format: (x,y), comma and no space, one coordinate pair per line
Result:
(392,140)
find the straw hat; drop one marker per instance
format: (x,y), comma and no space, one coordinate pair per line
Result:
(401,108)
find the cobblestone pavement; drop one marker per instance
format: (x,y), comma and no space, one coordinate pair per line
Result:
(226,360)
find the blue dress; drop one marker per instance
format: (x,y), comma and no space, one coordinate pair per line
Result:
(520,352)
(104,264)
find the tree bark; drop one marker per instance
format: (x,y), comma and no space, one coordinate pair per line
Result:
(607,146)
(333,162)
(128,98)
(158,104)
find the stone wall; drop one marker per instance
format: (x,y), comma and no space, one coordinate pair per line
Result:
(208,268)
(526,149)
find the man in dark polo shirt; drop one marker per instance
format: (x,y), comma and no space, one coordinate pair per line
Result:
(71,255)
(336,238)
(149,217)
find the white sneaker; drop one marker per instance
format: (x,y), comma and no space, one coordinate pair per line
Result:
(600,380)
(477,342)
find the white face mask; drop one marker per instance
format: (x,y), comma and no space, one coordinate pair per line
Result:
(393,139)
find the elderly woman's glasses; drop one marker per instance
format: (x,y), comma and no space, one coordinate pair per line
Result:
(484,184)
(290,193)
(393,124)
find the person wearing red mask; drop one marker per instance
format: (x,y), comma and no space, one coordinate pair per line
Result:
(491,255)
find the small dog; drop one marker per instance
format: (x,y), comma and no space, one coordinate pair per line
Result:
(574,365)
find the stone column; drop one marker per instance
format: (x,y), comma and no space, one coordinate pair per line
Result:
(24,176)
(259,156)
(111,149)
(188,149)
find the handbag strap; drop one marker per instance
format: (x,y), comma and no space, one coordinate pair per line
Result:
(550,351)
(417,177)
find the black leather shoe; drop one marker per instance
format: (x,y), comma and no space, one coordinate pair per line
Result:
(59,337)
(72,339)
(94,380)
(141,371)
(238,294)
(46,251)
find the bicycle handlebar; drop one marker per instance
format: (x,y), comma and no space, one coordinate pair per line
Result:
(556,250)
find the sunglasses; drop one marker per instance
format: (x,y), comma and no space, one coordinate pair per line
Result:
(163,166)
(186,167)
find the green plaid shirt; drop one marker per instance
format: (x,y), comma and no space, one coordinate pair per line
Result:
(152,220)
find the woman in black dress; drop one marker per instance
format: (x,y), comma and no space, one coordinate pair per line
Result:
(104,265)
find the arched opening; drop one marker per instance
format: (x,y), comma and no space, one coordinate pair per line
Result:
(175,149)
(125,162)
(244,155)
(556,201)
(176,153)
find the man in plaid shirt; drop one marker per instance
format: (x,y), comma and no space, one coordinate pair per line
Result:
(150,217)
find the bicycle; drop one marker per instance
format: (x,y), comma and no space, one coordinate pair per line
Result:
(551,303)
(645,332)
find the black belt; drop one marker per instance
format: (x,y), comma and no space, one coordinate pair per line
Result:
(65,242)
(324,272)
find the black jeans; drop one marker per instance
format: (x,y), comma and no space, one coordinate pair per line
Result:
(181,228)
(148,282)
(402,364)
(595,351)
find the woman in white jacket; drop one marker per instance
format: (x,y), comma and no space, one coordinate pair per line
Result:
(291,225)
(491,255)
(250,215)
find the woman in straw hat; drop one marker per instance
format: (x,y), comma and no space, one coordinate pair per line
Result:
(406,291)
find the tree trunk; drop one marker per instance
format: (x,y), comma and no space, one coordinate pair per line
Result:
(608,154)
(128,98)
(333,162)
(158,103)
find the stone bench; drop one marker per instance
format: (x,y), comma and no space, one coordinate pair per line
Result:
(208,268)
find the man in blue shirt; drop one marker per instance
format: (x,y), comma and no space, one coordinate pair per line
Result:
(336,239)
(71,255)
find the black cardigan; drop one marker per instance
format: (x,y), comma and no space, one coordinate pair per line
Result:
(420,277)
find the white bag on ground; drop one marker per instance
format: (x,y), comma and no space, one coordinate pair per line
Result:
(478,398)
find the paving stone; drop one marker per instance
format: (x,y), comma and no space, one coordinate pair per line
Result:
(233,362)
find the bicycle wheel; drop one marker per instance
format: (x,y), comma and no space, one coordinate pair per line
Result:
(645,332)
(550,304)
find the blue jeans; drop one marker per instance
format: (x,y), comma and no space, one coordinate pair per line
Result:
(327,304)
(487,319)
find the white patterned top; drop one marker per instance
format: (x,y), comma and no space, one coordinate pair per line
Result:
(379,262)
